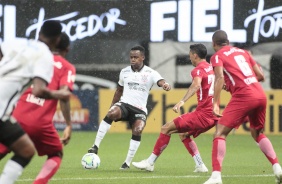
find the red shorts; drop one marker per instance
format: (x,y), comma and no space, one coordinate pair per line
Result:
(195,123)
(44,136)
(237,110)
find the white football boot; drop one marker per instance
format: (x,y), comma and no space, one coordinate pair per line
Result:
(278,173)
(201,169)
(214,181)
(143,165)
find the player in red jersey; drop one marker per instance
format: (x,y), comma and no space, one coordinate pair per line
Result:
(237,68)
(193,123)
(37,122)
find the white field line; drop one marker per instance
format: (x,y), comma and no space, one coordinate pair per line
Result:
(150,177)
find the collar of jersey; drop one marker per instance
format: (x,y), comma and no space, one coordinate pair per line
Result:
(138,70)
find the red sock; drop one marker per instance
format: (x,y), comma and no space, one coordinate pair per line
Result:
(218,153)
(161,144)
(267,148)
(191,146)
(48,170)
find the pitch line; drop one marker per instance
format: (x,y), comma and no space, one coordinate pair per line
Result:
(151,177)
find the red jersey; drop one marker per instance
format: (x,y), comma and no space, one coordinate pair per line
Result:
(238,72)
(205,94)
(43,110)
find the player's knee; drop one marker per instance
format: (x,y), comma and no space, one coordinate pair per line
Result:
(182,136)
(57,154)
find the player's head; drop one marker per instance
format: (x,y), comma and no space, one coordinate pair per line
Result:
(198,52)
(137,56)
(50,33)
(219,39)
(63,46)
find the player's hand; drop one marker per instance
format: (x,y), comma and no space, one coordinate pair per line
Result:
(166,86)
(64,94)
(216,110)
(225,87)
(66,135)
(177,106)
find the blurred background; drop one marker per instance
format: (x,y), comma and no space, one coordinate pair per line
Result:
(103,31)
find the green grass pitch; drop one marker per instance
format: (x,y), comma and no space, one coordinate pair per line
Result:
(244,163)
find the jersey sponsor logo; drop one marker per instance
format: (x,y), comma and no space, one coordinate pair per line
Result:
(71,77)
(58,64)
(232,50)
(208,69)
(250,80)
(35,100)
(136,86)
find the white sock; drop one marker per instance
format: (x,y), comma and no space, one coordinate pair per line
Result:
(11,172)
(152,159)
(216,174)
(198,160)
(103,129)
(276,168)
(133,147)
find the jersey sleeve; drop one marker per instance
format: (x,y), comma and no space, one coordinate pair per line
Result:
(156,76)
(197,72)
(68,76)
(43,67)
(216,60)
(120,81)
(251,59)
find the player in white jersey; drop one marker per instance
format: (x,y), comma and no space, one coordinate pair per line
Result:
(24,62)
(130,100)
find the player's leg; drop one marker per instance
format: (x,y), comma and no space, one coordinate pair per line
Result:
(3,151)
(257,121)
(12,136)
(137,127)
(47,142)
(114,114)
(161,144)
(192,148)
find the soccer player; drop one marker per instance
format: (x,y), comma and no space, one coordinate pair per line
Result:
(37,122)
(193,123)
(236,67)
(130,100)
(23,62)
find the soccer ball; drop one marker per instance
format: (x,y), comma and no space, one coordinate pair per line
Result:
(90,161)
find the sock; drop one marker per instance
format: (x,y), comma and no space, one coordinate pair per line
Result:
(267,148)
(152,159)
(192,148)
(133,147)
(103,129)
(218,153)
(48,170)
(161,144)
(11,172)
(277,168)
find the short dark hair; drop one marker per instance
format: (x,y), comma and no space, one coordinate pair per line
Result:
(220,38)
(140,48)
(199,49)
(51,28)
(64,42)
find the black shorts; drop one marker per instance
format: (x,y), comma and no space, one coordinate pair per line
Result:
(10,131)
(130,113)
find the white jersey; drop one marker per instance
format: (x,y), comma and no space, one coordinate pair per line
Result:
(137,85)
(22,60)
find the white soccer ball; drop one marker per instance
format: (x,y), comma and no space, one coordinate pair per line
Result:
(90,161)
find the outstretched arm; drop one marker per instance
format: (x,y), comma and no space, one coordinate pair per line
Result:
(162,83)
(194,87)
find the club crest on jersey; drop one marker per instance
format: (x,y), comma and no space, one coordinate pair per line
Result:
(144,78)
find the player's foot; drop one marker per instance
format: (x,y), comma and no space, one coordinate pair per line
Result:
(93,149)
(212,180)
(124,166)
(144,165)
(201,169)
(278,173)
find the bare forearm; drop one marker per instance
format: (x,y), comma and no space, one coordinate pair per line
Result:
(65,108)
(190,92)
(218,85)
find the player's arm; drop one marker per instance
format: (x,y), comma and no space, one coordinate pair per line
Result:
(194,87)
(259,73)
(162,83)
(65,108)
(218,85)
(40,90)
(117,95)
